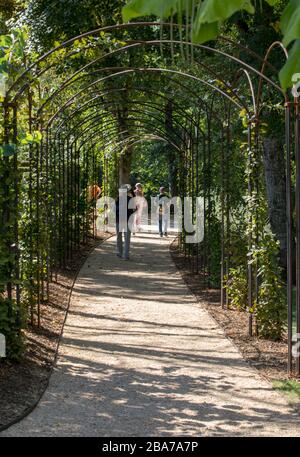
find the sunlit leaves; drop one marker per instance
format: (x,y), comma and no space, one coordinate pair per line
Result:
(290,22)
(291,67)
(205,32)
(273,2)
(138,8)
(218,10)
(30,138)
(210,14)
(11,57)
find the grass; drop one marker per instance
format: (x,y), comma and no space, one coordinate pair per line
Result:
(289,387)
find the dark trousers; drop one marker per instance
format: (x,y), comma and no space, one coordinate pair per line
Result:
(123,251)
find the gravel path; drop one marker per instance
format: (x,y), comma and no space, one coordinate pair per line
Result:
(139,357)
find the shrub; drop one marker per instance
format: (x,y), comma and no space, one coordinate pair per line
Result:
(10,328)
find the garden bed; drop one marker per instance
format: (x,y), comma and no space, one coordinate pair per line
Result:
(269,357)
(22,384)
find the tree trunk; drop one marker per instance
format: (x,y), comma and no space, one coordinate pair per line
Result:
(171,151)
(126,156)
(274,164)
(125,166)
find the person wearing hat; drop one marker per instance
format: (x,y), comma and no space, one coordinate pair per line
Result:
(122,226)
(163,220)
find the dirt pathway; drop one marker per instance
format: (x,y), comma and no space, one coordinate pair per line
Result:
(140,357)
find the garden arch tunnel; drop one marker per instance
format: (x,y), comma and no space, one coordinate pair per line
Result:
(99,108)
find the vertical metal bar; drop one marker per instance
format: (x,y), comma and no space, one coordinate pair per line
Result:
(47,215)
(257,188)
(297,197)
(209,178)
(16,221)
(228,201)
(64,209)
(30,197)
(222,222)
(6,203)
(250,278)
(289,235)
(37,215)
(204,253)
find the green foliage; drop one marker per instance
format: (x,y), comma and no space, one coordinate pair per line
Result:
(50,21)
(290,22)
(290,387)
(11,58)
(10,328)
(291,67)
(237,287)
(137,8)
(211,14)
(154,162)
(7,150)
(150,167)
(270,307)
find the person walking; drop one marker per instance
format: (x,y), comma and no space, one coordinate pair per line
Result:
(140,200)
(163,207)
(122,225)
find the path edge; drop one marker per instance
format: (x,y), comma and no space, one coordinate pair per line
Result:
(248,362)
(32,407)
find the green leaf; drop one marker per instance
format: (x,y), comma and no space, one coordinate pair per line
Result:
(290,22)
(138,8)
(8,149)
(37,136)
(272,2)
(219,10)
(291,67)
(5,41)
(205,32)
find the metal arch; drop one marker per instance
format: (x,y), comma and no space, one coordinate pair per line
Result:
(128,139)
(263,68)
(108,104)
(138,88)
(122,26)
(112,127)
(124,141)
(71,80)
(181,85)
(132,70)
(87,106)
(126,131)
(89,128)
(97,116)
(146,137)
(262,78)
(148,113)
(239,74)
(132,119)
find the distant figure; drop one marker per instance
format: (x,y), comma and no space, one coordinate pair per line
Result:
(162,200)
(139,193)
(123,248)
(93,192)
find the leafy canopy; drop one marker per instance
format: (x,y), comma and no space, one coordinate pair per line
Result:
(210,14)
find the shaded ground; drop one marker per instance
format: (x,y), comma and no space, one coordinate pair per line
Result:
(269,357)
(22,384)
(141,357)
